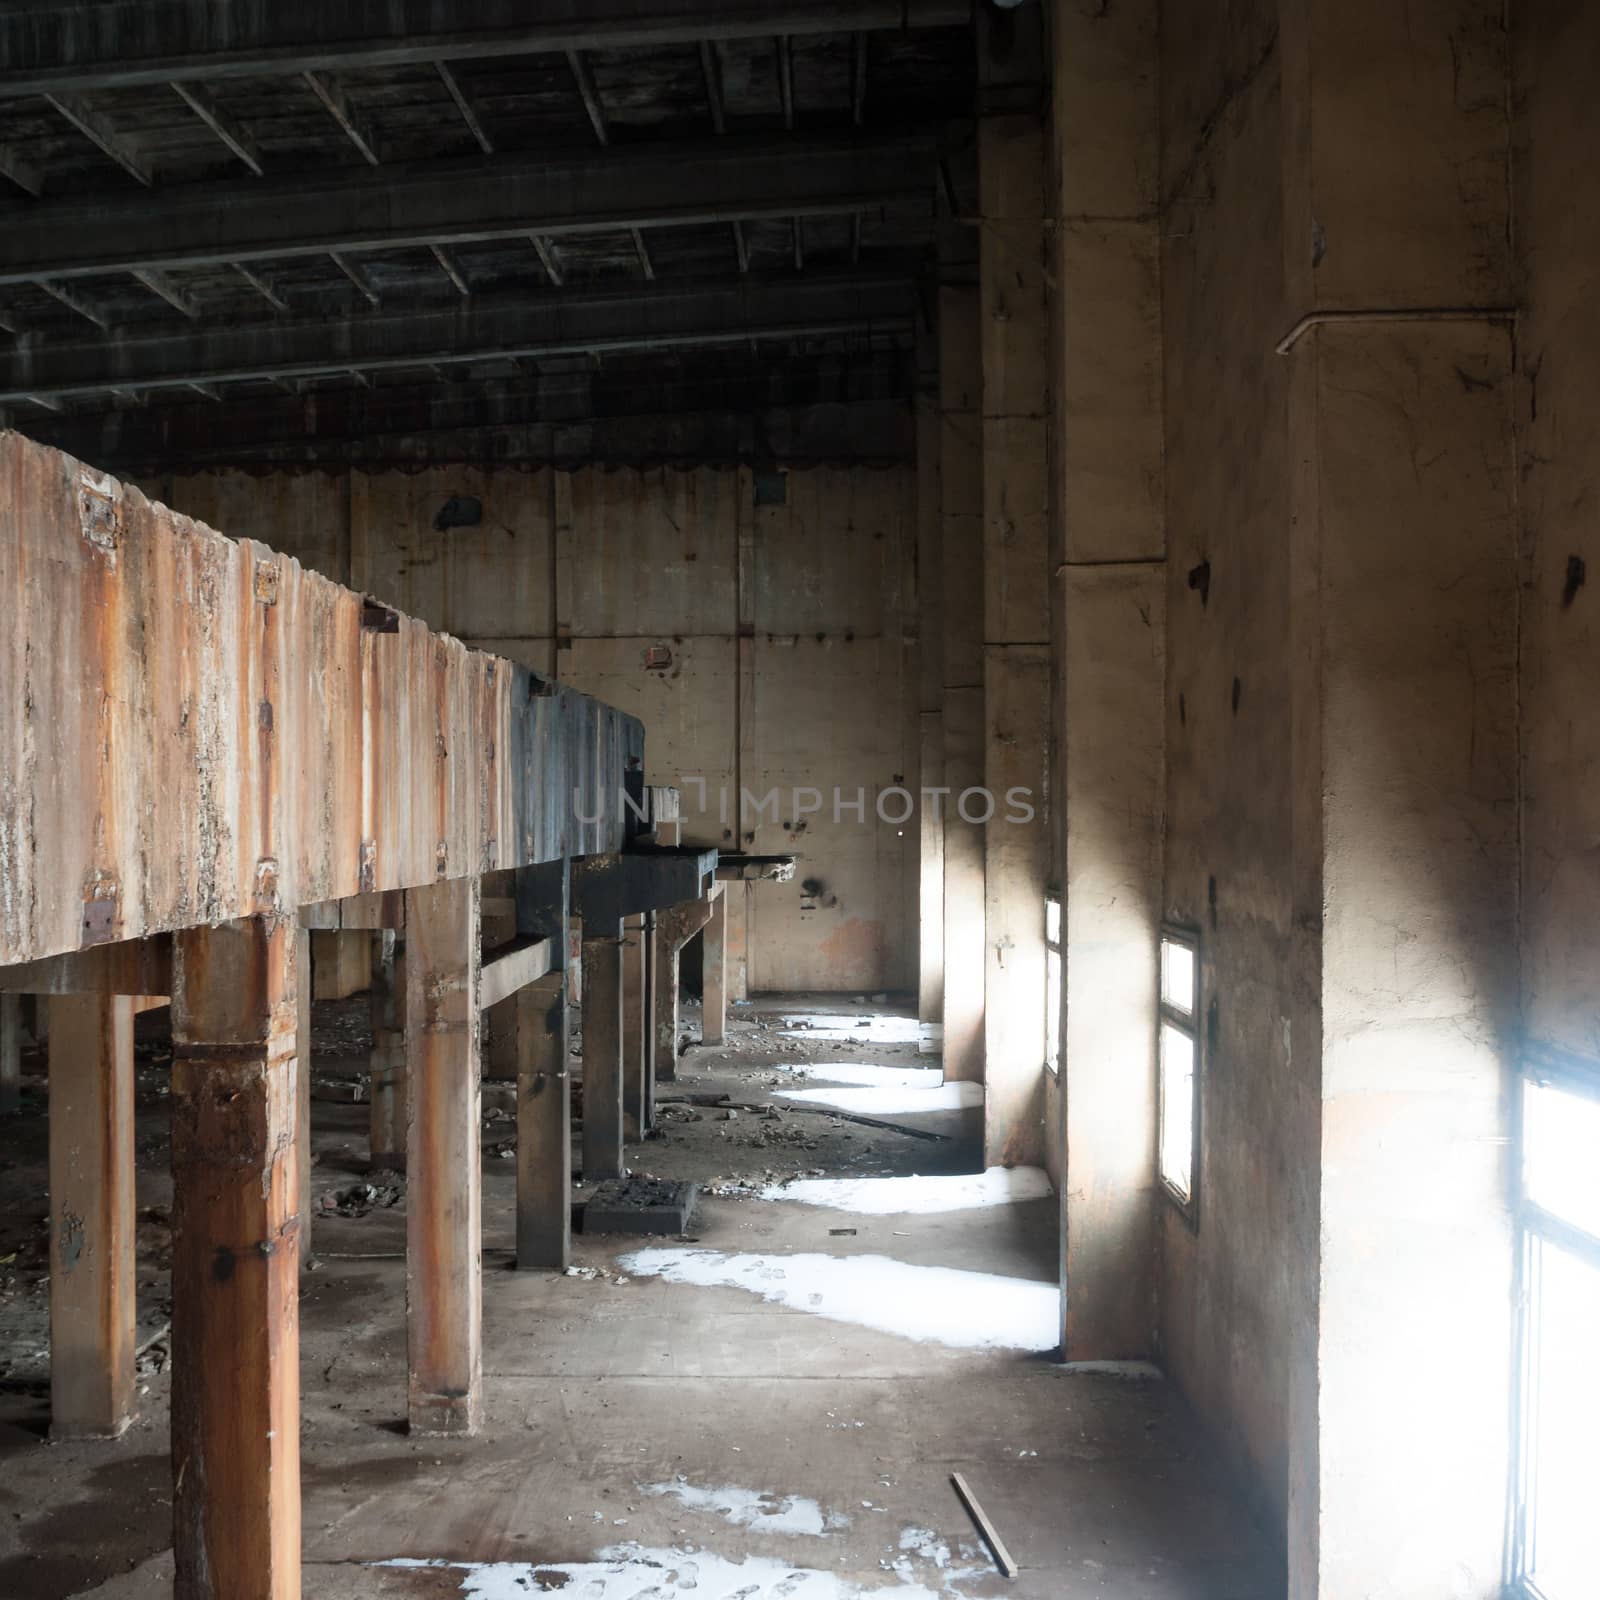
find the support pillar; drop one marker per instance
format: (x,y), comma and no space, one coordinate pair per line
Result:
(1014,338)
(602,1051)
(444,1264)
(91,1216)
(664,996)
(961,495)
(10,1053)
(1109,549)
(302,1088)
(714,973)
(388,1069)
(235,1261)
(635,1027)
(544,1132)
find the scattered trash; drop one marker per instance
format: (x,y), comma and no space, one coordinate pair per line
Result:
(358,1200)
(842,1233)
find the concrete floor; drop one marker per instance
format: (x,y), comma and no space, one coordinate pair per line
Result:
(653,1438)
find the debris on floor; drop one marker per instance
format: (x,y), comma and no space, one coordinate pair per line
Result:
(361,1198)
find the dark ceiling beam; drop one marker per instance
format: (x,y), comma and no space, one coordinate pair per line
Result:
(471,331)
(94,127)
(21,171)
(469,114)
(337,104)
(225,127)
(79,46)
(455,202)
(591,97)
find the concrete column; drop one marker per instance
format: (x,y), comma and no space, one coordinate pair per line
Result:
(929,568)
(635,1027)
(302,1088)
(961,499)
(389,1065)
(91,1216)
(1106,364)
(602,1052)
(235,1264)
(544,1135)
(1013,337)
(664,995)
(10,1053)
(444,1164)
(714,972)
(1404,530)
(341,962)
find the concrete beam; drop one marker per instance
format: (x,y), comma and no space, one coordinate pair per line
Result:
(444,1265)
(133,966)
(338,790)
(513,967)
(235,1263)
(92,1223)
(636,1055)
(67,45)
(609,888)
(363,208)
(484,328)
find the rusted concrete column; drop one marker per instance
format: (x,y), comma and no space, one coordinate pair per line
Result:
(664,996)
(387,1009)
(10,1052)
(635,1027)
(91,1216)
(444,1264)
(714,973)
(602,1052)
(544,1117)
(235,1260)
(302,1088)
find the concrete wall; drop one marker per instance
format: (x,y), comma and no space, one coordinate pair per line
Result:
(783,653)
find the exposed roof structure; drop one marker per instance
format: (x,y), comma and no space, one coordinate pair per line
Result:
(264,203)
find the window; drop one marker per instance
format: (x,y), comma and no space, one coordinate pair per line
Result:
(1178,1139)
(1558,1536)
(1052,983)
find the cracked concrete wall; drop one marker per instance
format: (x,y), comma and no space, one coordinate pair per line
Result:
(763,645)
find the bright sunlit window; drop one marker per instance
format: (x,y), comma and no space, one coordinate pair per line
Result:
(1052,983)
(1558,1533)
(1179,1044)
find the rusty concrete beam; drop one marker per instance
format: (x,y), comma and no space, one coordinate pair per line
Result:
(513,967)
(159,356)
(235,1261)
(278,740)
(444,1202)
(460,201)
(134,967)
(69,45)
(92,1219)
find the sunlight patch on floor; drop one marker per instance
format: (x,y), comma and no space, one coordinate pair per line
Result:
(898,1197)
(888,1101)
(757,1510)
(940,1305)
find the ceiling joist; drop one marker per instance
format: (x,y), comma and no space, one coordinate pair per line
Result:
(77,47)
(457,202)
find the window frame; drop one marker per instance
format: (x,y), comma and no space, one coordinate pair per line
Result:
(1187,1023)
(1544,1066)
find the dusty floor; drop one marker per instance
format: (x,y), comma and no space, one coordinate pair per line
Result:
(768,1410)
